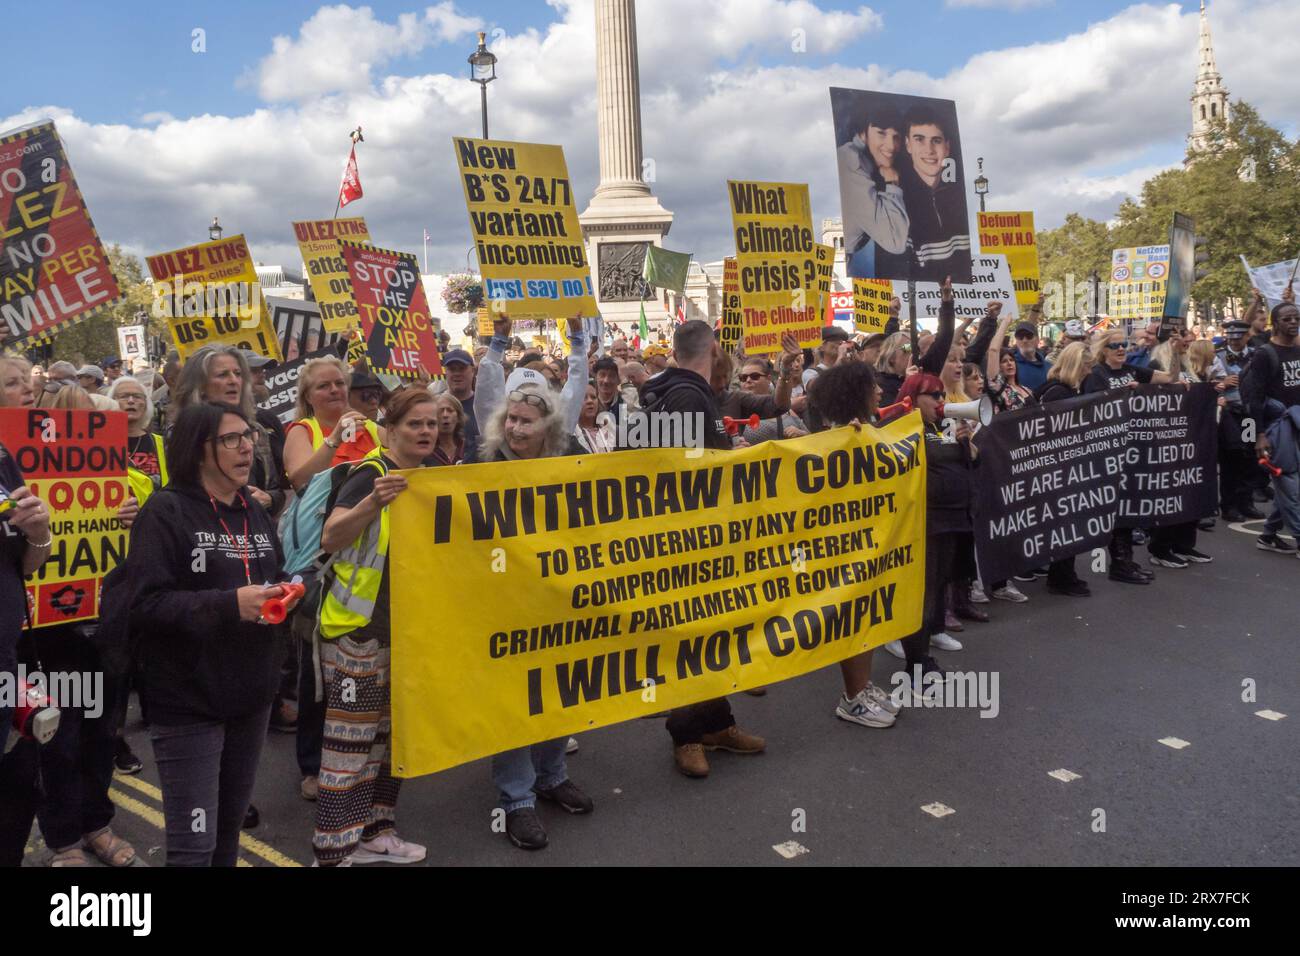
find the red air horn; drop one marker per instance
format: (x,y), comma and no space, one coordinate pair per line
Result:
(898,408)
(34,716)
(1267,462)
(732,425)
(275,610)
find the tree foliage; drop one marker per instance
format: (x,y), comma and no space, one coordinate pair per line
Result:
(1238,214)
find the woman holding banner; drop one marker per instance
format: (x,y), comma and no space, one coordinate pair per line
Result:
(846,395)
(357,798)
(1110,370)
(203,554)
(1174,546)
(531,423)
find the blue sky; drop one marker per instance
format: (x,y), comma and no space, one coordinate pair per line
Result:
(152,68)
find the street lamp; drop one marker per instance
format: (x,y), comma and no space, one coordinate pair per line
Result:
(981,184)
(215,230)
(483,70)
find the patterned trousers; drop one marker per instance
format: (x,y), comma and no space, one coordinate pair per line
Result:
(358,793)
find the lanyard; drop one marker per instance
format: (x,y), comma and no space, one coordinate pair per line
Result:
(246,548)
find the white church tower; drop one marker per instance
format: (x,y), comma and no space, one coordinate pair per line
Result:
(1209,97)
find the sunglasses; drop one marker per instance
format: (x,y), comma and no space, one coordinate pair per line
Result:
(937,396)
(1115,346)
(369,394)
(232,440)
(529,398)
(752,376)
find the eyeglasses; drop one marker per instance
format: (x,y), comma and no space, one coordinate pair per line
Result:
(232,440)
(530,398)
(369,394)
(752,376)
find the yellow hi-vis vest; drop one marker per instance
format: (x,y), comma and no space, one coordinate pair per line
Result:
(142,485)
(356,572)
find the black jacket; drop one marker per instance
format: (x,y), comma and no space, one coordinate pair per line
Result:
(681,390)
(199,661)
(949,484)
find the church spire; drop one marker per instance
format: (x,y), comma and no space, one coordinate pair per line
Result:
(1209,97)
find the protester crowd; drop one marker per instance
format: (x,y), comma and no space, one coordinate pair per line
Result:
(225,502)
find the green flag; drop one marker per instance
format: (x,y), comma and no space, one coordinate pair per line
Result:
(666,270)
(644,331)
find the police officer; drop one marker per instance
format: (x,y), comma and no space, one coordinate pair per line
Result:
(1237,465)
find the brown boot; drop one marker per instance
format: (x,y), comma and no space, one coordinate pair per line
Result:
(691,760)
(735,740)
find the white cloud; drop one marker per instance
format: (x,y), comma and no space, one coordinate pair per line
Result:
(340,46)
(1072,124)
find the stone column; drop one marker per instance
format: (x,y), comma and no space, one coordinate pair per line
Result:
(618,94)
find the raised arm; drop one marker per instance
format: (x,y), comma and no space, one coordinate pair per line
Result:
(575,388)
(993,358)
(490,384)
(988,326)
(937,354)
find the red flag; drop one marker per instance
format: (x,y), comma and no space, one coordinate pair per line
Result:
(351,186)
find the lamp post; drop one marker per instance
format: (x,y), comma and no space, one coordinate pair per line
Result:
(215,230)
(981,184)
(483,70)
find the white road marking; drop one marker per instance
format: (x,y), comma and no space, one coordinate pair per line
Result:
(938,810)
(1063,775)
(790,849)
(1269,714)
(1174,742)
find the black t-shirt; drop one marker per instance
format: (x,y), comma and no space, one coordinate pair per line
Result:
(355,490)
(142,455)
(1284,384)
(13,592)
(1103,378)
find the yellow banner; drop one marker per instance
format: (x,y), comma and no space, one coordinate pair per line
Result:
(209,295)
(1012,234)
(318,242)
(602,588)
(825,259)
(732,320)
(1139,279)
(525,226)
(871,298)
(777,258)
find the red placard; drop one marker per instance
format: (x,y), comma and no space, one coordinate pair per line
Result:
(53,268)
(396,326)
(74,461)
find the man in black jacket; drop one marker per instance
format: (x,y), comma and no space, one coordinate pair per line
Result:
(685,390)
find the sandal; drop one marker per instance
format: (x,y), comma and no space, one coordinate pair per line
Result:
(112,854)
(70,856)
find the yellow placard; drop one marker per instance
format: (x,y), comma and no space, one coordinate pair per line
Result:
(1011,234)
(484,322)
(777,260)
(732,319)
(824,256)
(331,285)
(209,295)
(610,587)
(871,298)
(1139,280)
(530,248)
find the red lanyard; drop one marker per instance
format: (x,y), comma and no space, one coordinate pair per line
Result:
(245,549)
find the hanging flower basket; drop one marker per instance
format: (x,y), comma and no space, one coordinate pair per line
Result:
(463,293)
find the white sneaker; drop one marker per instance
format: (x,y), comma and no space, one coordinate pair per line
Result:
(977,595)
(388,847)
(572,746)
(886,702)
(1011,593)
(896,648)
(863,710)
(945,642)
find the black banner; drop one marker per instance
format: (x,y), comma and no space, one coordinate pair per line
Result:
(1055,480)
(283,383)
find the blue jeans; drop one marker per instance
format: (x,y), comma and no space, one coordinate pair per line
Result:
(207,772)
(518,772)
(1286,505)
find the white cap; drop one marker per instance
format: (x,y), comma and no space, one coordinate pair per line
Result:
(526,376)
(94,371)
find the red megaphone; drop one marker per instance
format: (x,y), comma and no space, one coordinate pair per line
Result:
(34,716)
(898,408)
(275,610)
(1266,462)
(732,425)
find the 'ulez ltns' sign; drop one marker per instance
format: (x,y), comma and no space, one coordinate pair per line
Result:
(1058,479)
